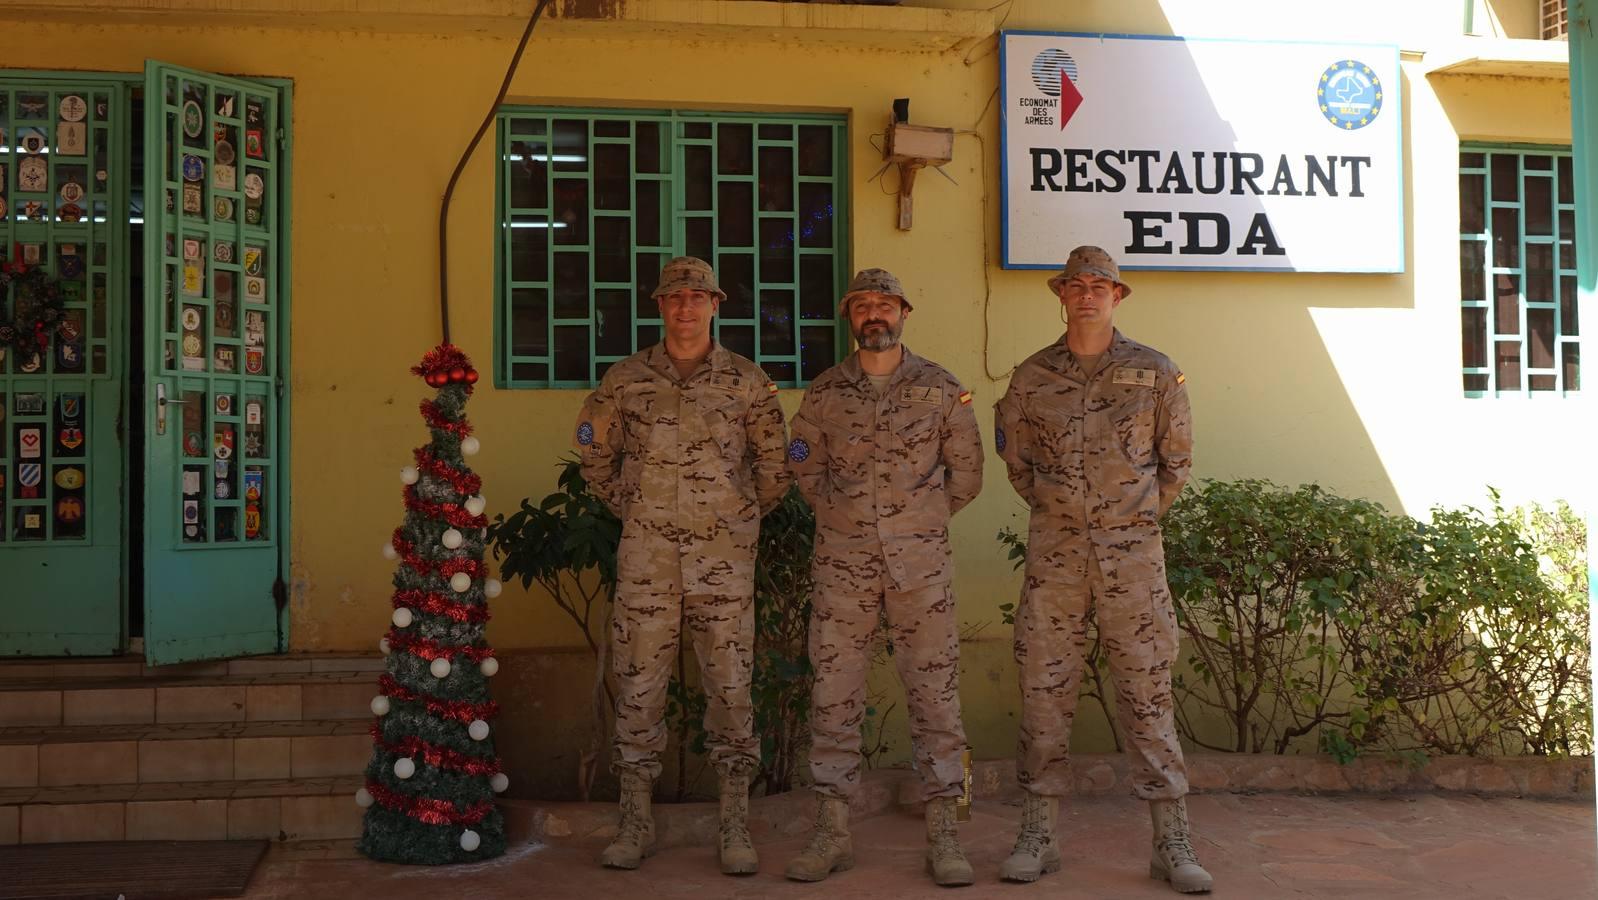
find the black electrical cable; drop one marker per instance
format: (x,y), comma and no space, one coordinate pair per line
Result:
(443,212)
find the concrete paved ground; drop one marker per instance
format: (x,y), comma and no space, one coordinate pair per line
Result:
(1260,846)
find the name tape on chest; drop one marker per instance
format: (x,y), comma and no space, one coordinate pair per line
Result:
(919,394)
(1144,377)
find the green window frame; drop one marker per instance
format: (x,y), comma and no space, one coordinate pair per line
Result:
(592,202)
(1519,331)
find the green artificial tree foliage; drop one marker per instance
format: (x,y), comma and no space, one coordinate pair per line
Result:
(430,785)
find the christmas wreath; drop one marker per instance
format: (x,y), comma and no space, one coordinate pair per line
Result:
(37,308)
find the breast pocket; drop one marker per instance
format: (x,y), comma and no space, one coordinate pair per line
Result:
(637,407)
(849,452)
(918,432)
(1057,426)
(724,419)
(1133,423)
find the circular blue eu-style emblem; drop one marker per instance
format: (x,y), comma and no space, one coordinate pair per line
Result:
(799,451)
(585,433)
(193,168)
(1349,94)
(998,438)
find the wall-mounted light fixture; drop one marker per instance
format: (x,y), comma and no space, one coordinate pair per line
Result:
(913,148)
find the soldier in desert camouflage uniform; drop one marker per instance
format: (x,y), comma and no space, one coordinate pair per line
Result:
(885,448)
(684,442)
(1096,434)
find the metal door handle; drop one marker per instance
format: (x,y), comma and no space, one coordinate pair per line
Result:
(161,402)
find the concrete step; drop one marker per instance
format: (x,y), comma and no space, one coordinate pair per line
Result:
(61,756)
(175,700)
(302,809)
(103,668)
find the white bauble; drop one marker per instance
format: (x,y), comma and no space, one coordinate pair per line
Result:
(499,781)
(382,645)
(478,730)
(470,446)
(363,798)
(389,552)
(489,667)
(380,705)
(491,588)
(453,539)
(476,505)
(404,767)
(439,668)
(403,617)
(409,475)
(470,841)
(461,582)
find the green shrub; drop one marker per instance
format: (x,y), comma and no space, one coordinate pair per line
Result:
(1316,621)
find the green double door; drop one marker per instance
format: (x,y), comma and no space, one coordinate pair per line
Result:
(141,408)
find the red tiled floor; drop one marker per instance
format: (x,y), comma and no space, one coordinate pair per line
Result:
(1266,846)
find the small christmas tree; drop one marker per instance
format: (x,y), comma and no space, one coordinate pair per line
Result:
(430,786)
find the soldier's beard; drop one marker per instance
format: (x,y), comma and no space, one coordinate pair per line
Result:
(883,338)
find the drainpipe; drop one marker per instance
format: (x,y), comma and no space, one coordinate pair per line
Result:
(1584,153)
(1470,16)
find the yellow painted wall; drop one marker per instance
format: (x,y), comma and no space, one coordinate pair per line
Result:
(1349,380)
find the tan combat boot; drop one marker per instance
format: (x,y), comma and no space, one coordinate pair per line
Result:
(737,850)
(945,862)
(1035,851)
(635,839)
(830,849)
(1174,859)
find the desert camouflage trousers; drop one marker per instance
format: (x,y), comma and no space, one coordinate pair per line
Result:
(1137,628)
(926,650)
(644,635)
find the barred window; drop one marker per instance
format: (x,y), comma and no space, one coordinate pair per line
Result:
(1555,22)
(1517,271)
(591,204)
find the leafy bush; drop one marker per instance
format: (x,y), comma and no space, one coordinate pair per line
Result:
(1312,620)
(1311,617)
(567,546)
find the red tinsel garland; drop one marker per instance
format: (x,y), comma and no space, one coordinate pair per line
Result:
(438,605)
(435,756)
(428,649)
(462,482)
(447,567)
(436,419)
(459,710)
(472,567)
(453,513)
(432,812)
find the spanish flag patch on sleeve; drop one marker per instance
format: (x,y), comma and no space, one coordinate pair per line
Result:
(1180,378)
(771,386)
(965,397)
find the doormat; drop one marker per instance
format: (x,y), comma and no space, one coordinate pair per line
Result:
(132,870)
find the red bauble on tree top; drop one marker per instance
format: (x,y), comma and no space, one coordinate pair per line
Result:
(446,364)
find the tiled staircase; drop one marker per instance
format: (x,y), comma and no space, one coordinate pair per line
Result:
(111,749)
